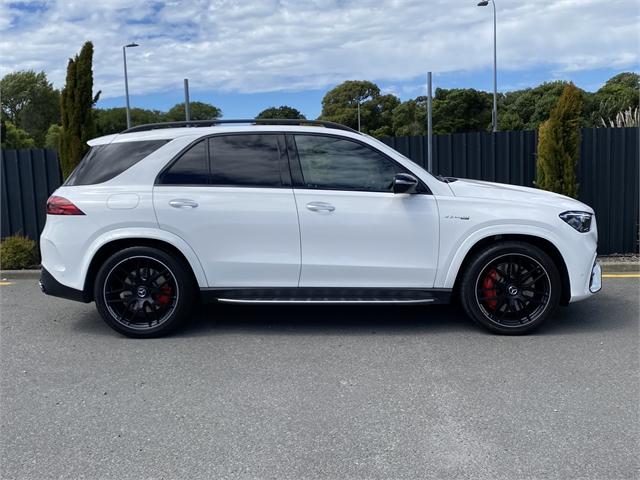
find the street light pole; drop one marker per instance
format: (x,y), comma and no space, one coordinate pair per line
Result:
(126,80)
(494,115)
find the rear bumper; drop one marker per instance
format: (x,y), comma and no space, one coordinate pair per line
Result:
(51,286)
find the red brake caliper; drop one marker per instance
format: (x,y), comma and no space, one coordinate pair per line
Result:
(488,287)
(165,297)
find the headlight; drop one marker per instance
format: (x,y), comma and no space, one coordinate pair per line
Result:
(581,221)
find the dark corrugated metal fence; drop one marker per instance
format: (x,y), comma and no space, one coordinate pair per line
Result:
(28,178)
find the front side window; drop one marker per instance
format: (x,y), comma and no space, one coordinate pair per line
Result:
(245,160)
(337,164)
(104,162)
(191,168)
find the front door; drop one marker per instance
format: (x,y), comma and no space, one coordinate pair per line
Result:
(354,231)
(230,198)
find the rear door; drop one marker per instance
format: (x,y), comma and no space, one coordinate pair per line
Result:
(230,198)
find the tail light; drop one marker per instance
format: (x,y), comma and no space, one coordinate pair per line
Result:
(62,206)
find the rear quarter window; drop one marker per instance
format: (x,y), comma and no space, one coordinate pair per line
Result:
(104,162)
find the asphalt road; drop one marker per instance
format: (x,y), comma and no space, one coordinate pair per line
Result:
(337,393)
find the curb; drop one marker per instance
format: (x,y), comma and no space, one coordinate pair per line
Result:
(620,267)
(7,274)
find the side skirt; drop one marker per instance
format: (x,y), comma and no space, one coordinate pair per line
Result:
(319,295)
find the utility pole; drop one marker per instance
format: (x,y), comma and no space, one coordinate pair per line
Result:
(126,80)
(429,126)
(494,114)
(187,106)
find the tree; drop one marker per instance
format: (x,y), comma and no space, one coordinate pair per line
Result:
(559,143)
(30,102)
(14,137)
(618,94)
(527,109)
(282,111)
(340,105)
(410,118)
(52,139)
(198,111)
(76,105)
(114,120)
(461,110)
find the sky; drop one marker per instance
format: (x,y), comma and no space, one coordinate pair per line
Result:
(247,55)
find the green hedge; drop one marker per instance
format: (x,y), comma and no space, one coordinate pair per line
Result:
(17,253)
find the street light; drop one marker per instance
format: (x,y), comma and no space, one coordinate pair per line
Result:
(494,115)
(126,80)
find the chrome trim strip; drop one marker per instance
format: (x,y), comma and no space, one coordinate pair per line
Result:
(325,302)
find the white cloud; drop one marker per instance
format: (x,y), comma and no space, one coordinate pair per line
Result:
(270,45)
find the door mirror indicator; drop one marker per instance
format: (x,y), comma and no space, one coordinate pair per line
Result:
(405,183)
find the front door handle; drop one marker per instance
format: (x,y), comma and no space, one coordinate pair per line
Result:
(320,207)
(183,203)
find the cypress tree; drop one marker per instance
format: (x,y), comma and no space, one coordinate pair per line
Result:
(559,143)
(76,107)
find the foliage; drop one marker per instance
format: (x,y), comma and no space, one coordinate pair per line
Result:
(14,137)
(280,112)
(527,109)
(340,104)
(52,139)
(627,118)
(30,102)
(17,253)
(461,110)
(559,143)
(198,111)
(114,120)
(410,118)
(76,105)
(620,93)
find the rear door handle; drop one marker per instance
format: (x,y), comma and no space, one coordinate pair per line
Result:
(320,207)
(183,203)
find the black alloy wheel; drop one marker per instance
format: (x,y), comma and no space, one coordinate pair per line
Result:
(511,288)
(140,292)
(143,292)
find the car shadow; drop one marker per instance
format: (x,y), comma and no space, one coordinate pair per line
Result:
(597,314)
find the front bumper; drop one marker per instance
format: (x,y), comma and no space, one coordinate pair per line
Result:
(50,286)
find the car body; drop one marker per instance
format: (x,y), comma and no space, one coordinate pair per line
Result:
(308,213)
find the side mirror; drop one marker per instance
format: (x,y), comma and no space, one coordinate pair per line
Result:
(405,183)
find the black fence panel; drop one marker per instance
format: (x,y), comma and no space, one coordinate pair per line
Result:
(28,177)
(609,176)
(608,171)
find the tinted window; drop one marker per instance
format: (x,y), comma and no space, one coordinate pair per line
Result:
(245,160)
(191,168)
(336,164)
(103,162)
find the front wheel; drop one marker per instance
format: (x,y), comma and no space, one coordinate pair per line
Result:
(143,292)
(510,288)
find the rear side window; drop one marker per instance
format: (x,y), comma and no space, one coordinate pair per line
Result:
(191,168)
(103,162)
(245,160)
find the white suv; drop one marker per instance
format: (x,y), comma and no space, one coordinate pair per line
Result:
(160,216)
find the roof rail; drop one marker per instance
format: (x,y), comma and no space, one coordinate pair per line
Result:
(252,121)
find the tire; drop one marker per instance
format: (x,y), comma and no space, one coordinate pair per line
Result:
(143,292)
(510,288)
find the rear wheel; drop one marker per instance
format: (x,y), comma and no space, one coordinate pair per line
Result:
(510,288)
(143,292)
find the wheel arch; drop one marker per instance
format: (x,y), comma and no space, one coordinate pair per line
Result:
(110,247)
(542,243)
